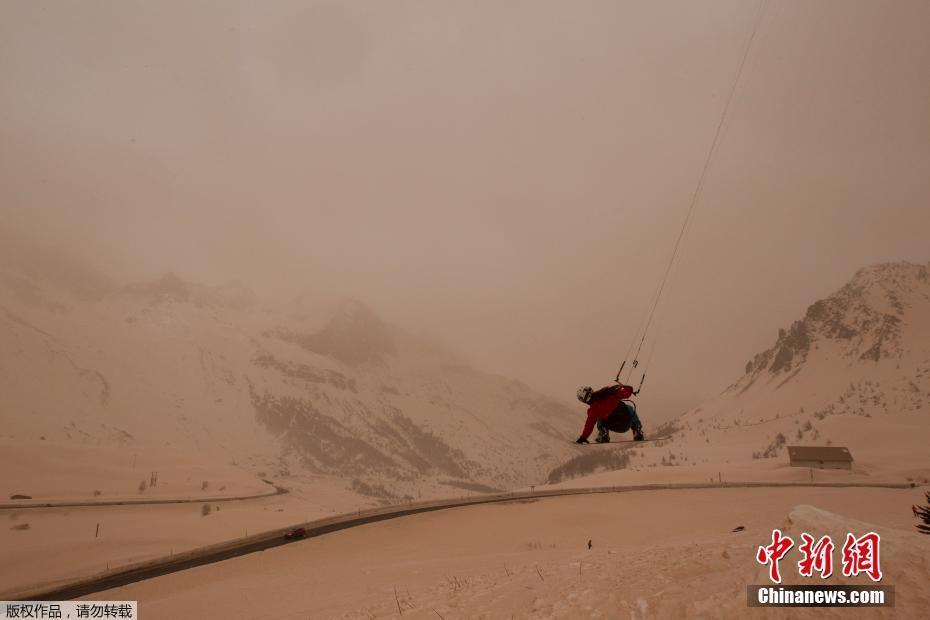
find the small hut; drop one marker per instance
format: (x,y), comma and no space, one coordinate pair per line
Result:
(822,457)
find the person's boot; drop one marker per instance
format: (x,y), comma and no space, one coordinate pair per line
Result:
(603,436)
(638,434)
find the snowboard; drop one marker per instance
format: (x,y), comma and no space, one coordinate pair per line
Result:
(622,441)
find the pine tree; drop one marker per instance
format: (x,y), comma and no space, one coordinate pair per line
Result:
(923,513)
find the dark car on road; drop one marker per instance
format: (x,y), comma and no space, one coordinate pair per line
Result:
(297,532)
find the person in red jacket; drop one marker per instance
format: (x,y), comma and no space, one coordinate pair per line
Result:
(608,412)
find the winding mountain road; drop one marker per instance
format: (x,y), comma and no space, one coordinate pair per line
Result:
(78,588)
(32,505)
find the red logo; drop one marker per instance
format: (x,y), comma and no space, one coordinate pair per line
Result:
(860,555)
(773,553)
(817,556)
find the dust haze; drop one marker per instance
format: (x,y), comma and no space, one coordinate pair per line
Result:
(509,177)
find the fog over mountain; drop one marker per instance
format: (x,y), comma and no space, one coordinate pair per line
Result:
(507,178)
(211,369)
(296,295)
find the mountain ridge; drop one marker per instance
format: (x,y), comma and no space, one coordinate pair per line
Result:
(186,366)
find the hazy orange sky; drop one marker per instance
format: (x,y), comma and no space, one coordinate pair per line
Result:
(509,176)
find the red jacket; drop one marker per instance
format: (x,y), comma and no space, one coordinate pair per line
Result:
(604,404)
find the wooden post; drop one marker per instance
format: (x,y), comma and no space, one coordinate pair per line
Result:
(97,533)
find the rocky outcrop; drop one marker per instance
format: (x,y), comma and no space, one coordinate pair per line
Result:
(865,316)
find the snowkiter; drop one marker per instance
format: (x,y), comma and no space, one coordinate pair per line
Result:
(608,411)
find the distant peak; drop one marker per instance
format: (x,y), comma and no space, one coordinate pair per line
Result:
(173,284)
(354,311)
(890,273)
(864,316)
(172,287)
(354,335)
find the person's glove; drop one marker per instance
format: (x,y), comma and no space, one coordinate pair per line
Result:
(582,440)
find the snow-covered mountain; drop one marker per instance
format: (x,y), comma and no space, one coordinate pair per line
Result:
(855,370)
(864,350)
(192,367)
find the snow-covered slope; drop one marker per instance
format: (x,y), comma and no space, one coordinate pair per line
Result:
(361,398)
(855,370)
(184,366)
(675,556)
(863,350)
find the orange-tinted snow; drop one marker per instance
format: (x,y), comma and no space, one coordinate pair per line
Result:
(654,554)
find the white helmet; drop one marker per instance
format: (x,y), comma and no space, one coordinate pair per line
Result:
(584,394)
